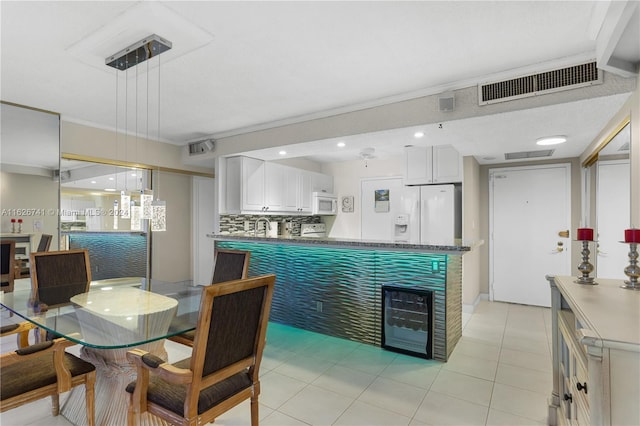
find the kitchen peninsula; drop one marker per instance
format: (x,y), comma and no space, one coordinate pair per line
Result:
(333,286)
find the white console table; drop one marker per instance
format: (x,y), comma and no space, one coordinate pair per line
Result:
(596,353)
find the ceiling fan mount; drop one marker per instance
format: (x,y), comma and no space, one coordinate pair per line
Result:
(367,153)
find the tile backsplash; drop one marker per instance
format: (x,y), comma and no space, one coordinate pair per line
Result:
(235,222)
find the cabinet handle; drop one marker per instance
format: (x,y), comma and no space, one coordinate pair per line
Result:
(581,386)
(568,397)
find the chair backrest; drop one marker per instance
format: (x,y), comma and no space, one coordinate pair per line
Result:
(231,330)
(45,242)
(57,276)
(7,264)
(230,265)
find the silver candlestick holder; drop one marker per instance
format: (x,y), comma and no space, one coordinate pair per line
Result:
(585,267)
(633,270)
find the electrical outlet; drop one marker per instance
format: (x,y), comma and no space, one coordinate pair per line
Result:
(318,306)
(247,225)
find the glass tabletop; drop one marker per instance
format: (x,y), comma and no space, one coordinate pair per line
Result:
(113,316)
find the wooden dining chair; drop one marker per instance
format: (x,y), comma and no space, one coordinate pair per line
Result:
(7,265)
(57,276)
(44,369)
(21,330)
(223,369)
(229,265)
(45,242)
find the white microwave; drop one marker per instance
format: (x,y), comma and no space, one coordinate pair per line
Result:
(324,204)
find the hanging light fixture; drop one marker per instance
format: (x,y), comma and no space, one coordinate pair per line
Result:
(131,56)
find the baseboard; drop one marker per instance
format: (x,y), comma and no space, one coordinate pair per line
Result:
(471,308)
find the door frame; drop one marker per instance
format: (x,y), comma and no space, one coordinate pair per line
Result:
(491,172)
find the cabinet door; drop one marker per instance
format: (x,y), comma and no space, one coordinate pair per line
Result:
(290,189)
(322,183)
(305,191)
(253,178)
(447,164)
(274,186)
(418,165)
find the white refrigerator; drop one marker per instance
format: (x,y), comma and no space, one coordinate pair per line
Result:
(440,214)
(429,214)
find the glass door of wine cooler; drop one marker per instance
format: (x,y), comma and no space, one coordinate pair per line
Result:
(407,320)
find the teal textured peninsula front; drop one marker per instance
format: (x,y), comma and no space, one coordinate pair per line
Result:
(334,288)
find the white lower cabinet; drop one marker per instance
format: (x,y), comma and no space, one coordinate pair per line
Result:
(596,353)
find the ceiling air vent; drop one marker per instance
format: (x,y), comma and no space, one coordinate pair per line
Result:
(538,84)
(201,147)
(528,154)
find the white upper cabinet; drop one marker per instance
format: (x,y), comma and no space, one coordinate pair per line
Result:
(321,183)
(447,164)
(256,186)
(244,180)
(297,193)
(274,184)
(432,164)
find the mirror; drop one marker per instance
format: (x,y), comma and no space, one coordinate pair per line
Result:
(94,215)
(29,163)
(121,246)
(610,201)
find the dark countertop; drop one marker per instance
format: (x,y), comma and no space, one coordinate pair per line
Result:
(345,243)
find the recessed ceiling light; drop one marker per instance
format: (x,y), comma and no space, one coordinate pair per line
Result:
(133,174)
(93,181)
(341,144)
(551,140)
(111,178)
(110,189)
(488,158)
(418,135)
(283,153)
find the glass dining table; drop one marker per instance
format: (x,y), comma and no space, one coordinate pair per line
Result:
(110,319)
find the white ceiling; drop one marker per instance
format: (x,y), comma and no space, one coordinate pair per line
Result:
(239,66)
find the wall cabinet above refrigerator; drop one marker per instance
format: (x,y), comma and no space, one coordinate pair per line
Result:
(432,165)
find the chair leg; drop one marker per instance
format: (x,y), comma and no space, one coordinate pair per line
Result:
(131,414)
(254,411)
(55,405)
(89,391)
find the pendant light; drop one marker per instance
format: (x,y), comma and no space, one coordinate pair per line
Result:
(131,56)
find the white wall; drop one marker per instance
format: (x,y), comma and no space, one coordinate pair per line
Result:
(346,181)
(104,144)
(471,233)
(171,256)
(36,194)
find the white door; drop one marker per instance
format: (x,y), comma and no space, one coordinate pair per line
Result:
(612,213)
(203,224)
(528,207)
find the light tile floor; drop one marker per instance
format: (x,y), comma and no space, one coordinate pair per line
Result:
(499,374)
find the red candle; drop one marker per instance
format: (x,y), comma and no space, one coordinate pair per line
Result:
(19,220)
(585,234)
(13,221)
(632,235)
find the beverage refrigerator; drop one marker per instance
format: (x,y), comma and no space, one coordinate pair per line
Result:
(407,320)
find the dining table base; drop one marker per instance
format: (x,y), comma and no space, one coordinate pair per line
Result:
(113,374)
